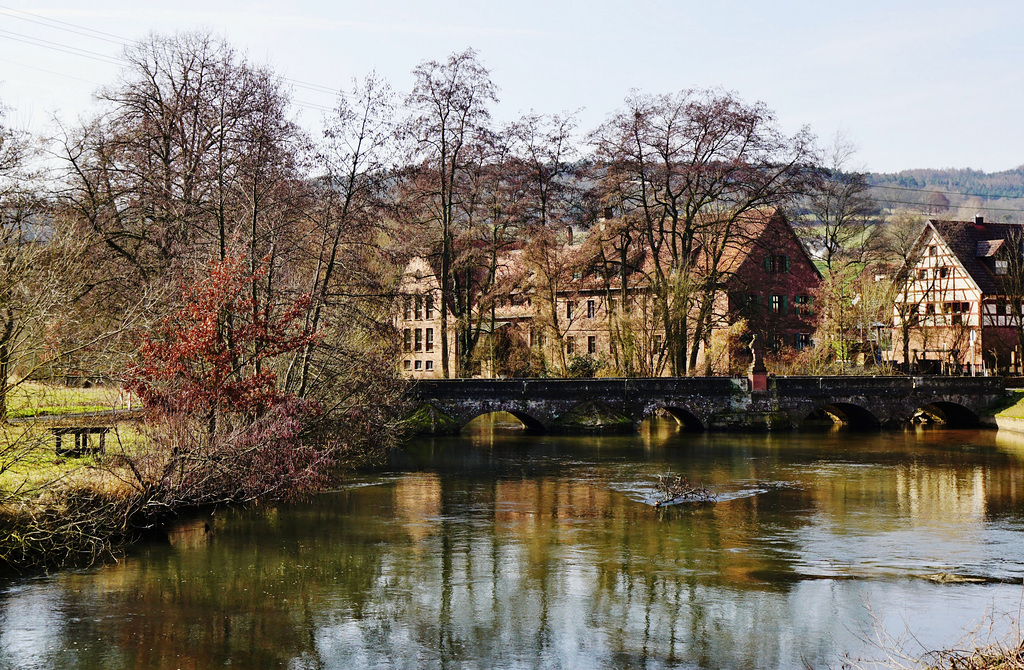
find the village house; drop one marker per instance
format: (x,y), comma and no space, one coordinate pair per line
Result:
(961,308)
(767,281)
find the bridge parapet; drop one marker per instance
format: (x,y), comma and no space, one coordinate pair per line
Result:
(719,403)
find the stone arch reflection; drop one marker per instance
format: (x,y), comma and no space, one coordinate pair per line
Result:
(501,421)
(947,414)
(684,418)
(842,415)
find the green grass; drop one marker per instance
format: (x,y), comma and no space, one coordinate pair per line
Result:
(1012,407)
(37,399)
(28,459)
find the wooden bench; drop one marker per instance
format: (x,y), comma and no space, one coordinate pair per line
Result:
(81,434)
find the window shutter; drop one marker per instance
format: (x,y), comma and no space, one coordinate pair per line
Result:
(783,311)
(767,263)
(787,263)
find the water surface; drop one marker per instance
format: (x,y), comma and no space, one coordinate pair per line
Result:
(507,550)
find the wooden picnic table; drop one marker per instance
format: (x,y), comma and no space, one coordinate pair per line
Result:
(81,434)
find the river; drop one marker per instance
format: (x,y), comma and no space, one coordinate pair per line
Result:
(498,549)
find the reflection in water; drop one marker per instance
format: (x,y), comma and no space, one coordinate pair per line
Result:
(501,549)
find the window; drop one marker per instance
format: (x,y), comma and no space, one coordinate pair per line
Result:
(802,305)
(591,309)
(430,307)
(419,365)
(408,340)
(941,273)
(922,273)
(777,263)
(419,340)
(592,344)
(957,309)
(802,341)
(1002,267)
(611,305)
(569,309)
(929,308)
(419,308)
(407,308)
(430,339)
(1001,308)
(657,343)
(913,315)
(407,365)
(778,304)
(570,345)
(933,250)
(430,365)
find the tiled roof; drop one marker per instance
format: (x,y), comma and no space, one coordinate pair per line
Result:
(967,238)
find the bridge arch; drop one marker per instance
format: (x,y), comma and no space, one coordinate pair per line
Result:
(530,423)
(846,414)
(689,421)
(946,412)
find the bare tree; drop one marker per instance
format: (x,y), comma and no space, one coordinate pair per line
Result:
(841,205)
(449,106)
(894,249)
(549,159)
(190,156)
(344,265)
(688,168)
(39,261)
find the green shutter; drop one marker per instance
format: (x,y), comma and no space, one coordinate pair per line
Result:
(767,263)
(783,305)
(787,263)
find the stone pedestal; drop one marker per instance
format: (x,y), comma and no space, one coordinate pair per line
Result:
(758,373)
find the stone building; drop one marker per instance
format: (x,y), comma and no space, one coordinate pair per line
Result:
(766,283)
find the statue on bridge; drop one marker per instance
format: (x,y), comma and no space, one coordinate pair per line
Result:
(758,372)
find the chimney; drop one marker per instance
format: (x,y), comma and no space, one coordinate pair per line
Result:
(979,220)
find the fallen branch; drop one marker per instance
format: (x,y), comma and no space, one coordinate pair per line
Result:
(679,489)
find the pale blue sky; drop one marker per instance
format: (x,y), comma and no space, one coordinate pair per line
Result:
(912,84)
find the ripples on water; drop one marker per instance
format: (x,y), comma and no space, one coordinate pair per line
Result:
(500,549)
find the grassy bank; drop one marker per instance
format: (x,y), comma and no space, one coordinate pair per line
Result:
(59,510)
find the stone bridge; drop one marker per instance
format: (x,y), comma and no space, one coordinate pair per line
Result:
(704,403)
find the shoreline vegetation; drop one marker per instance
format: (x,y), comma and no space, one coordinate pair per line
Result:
(78,510)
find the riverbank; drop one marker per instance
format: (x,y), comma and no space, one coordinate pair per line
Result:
(1010,414)
(60,509)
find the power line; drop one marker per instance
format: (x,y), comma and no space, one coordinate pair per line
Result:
(59,74)
(49,23)
(933,190)
(124,42)
(74,51)
(884,201)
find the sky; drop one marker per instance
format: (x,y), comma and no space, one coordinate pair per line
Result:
(911,84)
